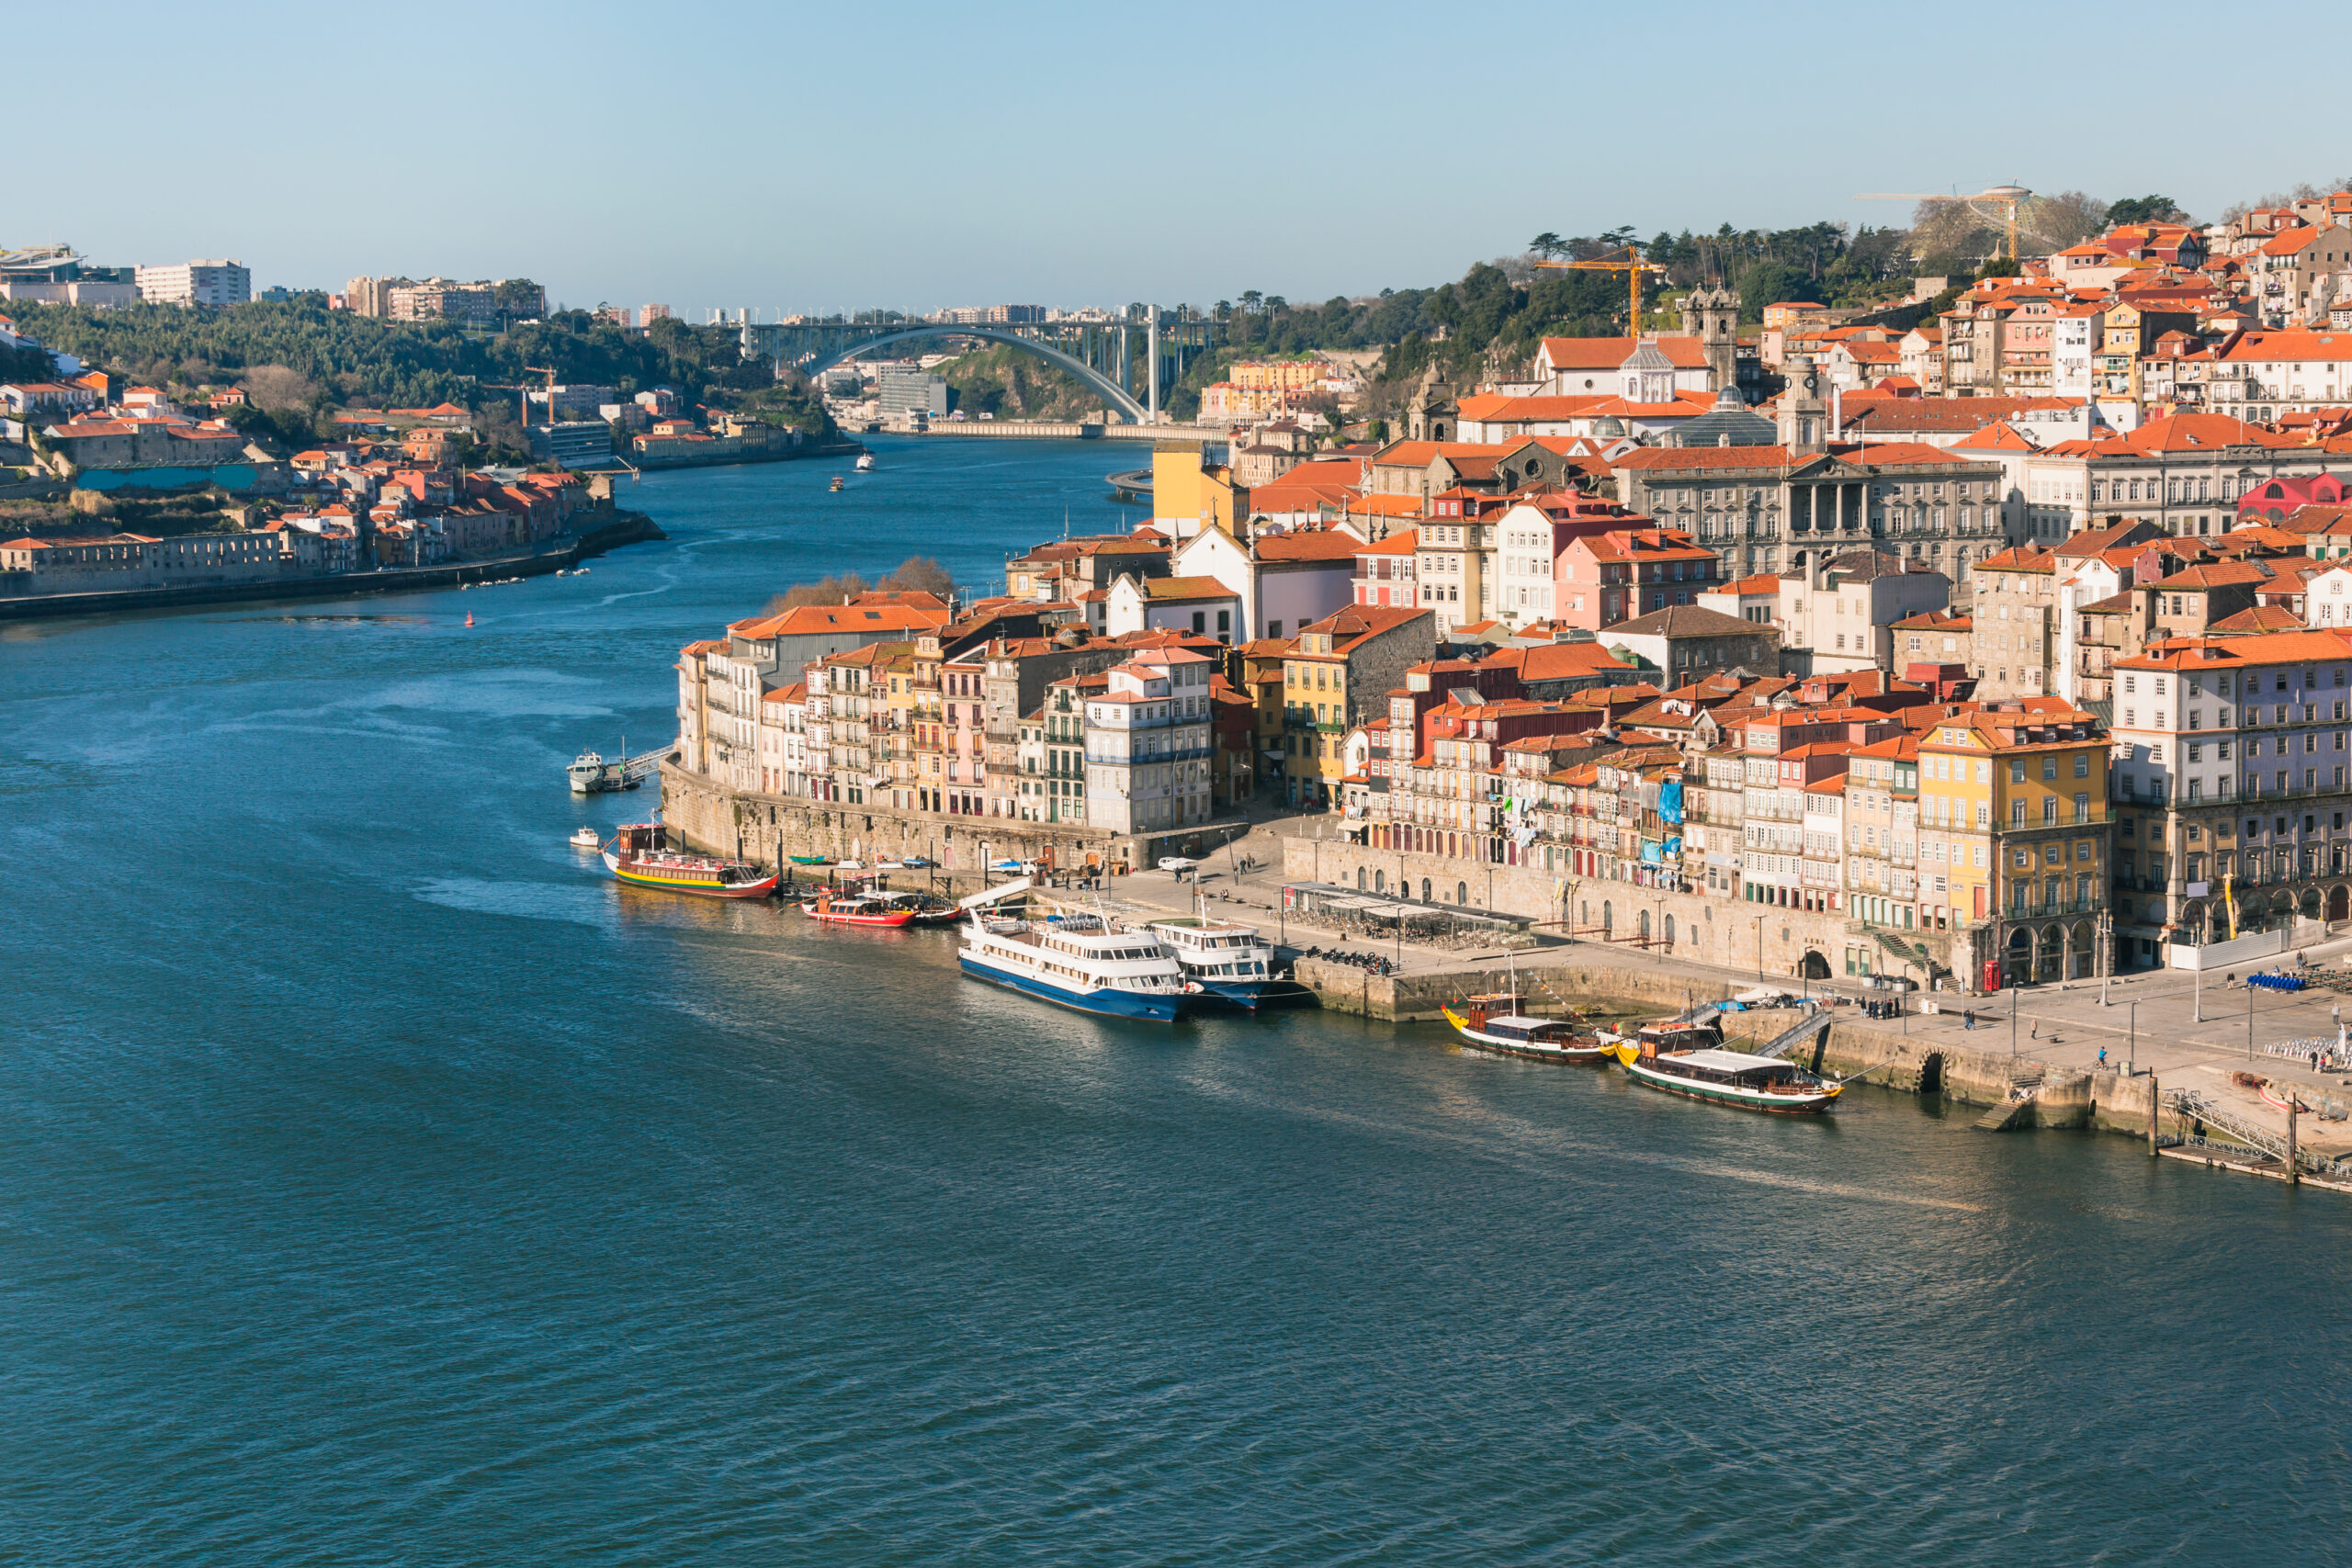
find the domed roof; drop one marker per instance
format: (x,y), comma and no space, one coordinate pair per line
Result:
(1608,424)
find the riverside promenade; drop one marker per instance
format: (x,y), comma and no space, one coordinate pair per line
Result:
(2161,1031)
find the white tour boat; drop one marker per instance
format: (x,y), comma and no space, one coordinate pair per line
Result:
(1082,961)
(1229,962)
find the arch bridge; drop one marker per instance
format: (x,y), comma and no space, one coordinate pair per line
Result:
(1101,356)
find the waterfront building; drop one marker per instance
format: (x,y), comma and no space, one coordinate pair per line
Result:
(1147,743)
(906,394)
(1280,581)
(1336,677)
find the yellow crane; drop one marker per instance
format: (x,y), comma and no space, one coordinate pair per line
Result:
(2006,198)
(1625,259)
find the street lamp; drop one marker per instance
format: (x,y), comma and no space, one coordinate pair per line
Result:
(2013,1023)
(1760,947)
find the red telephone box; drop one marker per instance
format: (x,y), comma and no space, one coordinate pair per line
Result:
(1992,975)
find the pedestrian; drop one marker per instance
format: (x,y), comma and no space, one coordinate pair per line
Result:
(1970,1018)
(2102,1057)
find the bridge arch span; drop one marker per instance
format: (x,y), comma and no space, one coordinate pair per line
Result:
(1086,374)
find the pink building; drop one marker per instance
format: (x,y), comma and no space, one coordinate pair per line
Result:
(1616,574)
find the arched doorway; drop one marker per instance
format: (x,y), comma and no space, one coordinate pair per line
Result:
(1379,882)
(2308,905)
(2049,953)
(2339,904)
(2085,952)
(1360,879)
(1669,931)
(1425,890)
(1816,967)
(1608,919)
(1642,927)
(2192,923)
(2018,962)
(1461,893)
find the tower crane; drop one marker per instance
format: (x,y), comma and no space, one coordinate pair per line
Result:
(2006,198)
(1625,259)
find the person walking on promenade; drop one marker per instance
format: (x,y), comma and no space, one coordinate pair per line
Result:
(1969,1019)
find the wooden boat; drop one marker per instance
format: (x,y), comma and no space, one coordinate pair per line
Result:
(1503,1029)
(924,908)
(856,909)
(809,860)
(640,855)
(1731,1077)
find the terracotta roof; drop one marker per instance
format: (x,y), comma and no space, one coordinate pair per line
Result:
(1687,620)
(1173,588)
(1307,546)
(1608,353)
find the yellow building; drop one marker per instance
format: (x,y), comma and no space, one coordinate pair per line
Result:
(1955,825)
(1278,374)
(1189,495)
(2014,830)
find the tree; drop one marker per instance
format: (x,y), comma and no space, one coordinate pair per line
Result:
(1251,300)
(920,574)
(2144,210)
(828,590)
(1547,245)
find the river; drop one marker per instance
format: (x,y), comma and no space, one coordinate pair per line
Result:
(382,1185)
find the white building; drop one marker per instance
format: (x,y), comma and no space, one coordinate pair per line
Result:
(1199,605)
(1845,612)
(1148,745)
(208,282)
(2075,334)
(1284,581)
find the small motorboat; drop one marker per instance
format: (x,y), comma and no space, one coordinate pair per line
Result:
(587,839)
(809,860)
(865,464)
(839,483)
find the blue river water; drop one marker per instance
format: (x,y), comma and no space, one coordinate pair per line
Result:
(381,1185)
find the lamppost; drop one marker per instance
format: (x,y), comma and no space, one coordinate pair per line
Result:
(1760,947)
(2249,1018)
(2013,1023)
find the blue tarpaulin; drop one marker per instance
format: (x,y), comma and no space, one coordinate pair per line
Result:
(1669,800)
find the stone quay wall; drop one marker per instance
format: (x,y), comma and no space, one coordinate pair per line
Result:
(767,829)
(1763,940)
(2107,1100)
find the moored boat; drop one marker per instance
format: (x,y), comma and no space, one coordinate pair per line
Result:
(855,910)
(925,909)
(587,839)
(1228,961)
(1076,961)
(809,860)
(640,855)
(1480,1021)
(1731,1077)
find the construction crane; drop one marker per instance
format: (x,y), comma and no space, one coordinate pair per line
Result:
(2007,199)
(1625,259)
(539,370)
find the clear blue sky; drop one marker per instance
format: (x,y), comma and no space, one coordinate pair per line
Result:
(918,154)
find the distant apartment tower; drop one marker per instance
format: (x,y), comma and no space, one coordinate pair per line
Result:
(208,282)
(648,314)
(438,298)
(370,296)
(1016,315)
(905,393)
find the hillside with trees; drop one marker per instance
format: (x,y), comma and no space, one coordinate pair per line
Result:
(300,361)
